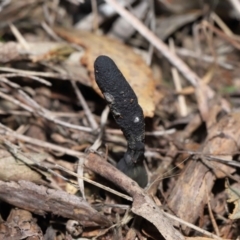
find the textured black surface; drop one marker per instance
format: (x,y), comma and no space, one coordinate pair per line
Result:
(124,106)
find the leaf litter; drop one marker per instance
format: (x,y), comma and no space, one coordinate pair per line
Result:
(51,116)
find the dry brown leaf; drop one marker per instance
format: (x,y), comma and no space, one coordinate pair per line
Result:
(135,70)
(20,225)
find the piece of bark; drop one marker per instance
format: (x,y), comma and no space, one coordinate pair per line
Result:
(190,192)
(143,205)
(39,199)
(197,179)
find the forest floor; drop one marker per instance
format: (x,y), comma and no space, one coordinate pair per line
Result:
(60,143)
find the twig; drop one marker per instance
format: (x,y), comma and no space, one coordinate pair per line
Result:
(233,40)
(12,84)
(39,199)
(192,226)
(53,35)
(153,28)
(178,86)
(161,133)
(98,141)
(206,58)
(80,178)
(50,32)
(96,184)
(19,37)
(41,80)
(16,102)
(214,223)
(196,41)
(83,103)
(221,24)
(57,114)
(34,73)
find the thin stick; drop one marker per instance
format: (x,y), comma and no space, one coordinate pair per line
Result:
(50,32)
(178,86)
(98,141)
(57,114)
(153,28)
(41,80)
(34,73)
(214,223)
(83,103)
(233,40)
(192,226)
(221,24)
(97,184)
(206,58)
(16,102)
(19,37)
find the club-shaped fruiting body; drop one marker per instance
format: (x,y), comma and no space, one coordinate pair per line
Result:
(126,111)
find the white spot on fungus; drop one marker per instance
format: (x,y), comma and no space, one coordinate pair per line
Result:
(136,120)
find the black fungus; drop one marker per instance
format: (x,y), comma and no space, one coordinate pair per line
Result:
(127,113)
